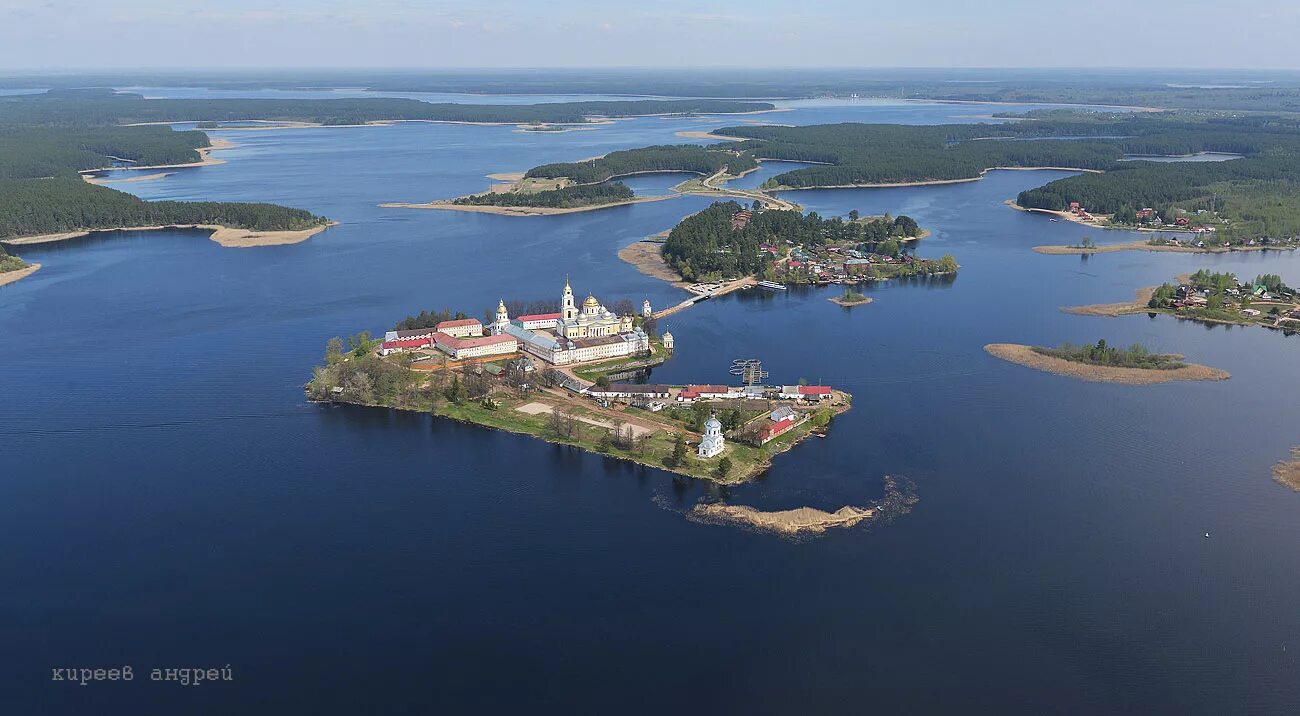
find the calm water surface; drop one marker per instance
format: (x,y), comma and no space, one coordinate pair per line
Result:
(169,499)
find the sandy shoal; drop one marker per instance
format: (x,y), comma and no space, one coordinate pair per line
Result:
(147,177)
(9,277)
(786,522)
(1028,357)
(1287,472)
(224,235)
(697,134)
(649,260)
(839,301)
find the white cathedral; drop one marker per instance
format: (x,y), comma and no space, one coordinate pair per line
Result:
(712,443)
(573,335)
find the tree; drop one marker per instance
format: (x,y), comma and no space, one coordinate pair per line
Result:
(679,450)
(602,381)
(853,215)
(333,350)
(724,466)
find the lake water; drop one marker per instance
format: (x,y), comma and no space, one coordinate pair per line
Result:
(170,500)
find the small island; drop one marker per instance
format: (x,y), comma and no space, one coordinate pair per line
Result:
(898,499)
(1102,363)
(552,374)
(850,298)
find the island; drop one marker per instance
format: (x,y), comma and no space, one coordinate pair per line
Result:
(1212,297)
(552,375)
(1101,363)
(850,298)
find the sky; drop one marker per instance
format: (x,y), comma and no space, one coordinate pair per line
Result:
(59,34)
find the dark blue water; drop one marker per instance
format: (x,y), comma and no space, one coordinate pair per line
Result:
(169,499)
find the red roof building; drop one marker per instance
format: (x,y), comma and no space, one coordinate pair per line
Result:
(691,392)
(403,344)
(814,392)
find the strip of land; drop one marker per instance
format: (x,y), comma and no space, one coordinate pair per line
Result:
(9,277)
(522,210)
(1139,304)
(786,522)
(1026,356)
(147,177)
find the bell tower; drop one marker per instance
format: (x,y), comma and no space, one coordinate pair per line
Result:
(568,310)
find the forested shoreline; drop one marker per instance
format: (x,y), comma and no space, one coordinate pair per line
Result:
(56,205)
(691,158)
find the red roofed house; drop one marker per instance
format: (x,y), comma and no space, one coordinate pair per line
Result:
(462,328)
(692,392)
(778,423)
(462,348)
(814,392)
(403,344)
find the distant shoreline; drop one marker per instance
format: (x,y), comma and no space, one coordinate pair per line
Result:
(929,182)
(1026,356)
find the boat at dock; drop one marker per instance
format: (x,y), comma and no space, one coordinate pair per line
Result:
(771,285)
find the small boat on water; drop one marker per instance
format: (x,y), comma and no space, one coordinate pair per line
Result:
(1056,220)
(771,285)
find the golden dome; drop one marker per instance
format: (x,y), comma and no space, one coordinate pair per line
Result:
(591,302)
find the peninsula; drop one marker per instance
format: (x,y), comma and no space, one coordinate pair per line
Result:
(1101,363)
(1212,297)
(549,375)
(13,268)
(728,240)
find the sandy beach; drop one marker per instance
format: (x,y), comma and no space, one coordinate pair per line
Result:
(147,177)
(1287,472)
(786,522)
(521,210)
(9,277)
(1026,356)
(224,235)
(697,134)
(646,257)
